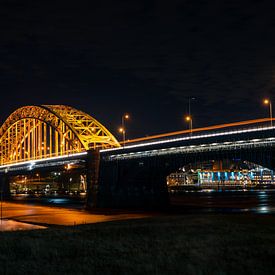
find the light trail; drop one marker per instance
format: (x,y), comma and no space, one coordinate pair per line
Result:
(157,142)
(208,128)
(33,162)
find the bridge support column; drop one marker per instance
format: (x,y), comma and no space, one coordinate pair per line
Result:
(92,175)
(5,187)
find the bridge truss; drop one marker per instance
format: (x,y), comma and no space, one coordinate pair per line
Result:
(37,132)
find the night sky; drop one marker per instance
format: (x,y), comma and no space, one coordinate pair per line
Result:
(142,57)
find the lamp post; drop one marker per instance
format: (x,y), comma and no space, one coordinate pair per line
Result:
(268,102)
(123,129)
(189,119)
(189,105)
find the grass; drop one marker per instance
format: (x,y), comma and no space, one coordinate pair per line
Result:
(172,244)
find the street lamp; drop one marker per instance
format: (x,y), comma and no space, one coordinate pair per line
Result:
(268,102)
(190,121)
(123,129)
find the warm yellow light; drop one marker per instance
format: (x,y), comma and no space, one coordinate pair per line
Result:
(188,118)
(121,130)
(126,116)
(266,101)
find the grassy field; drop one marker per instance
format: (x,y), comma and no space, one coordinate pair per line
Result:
(177,244)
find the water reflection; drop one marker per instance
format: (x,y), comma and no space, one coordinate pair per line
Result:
(226,201)
(10,225)
(263,210)
(230,201)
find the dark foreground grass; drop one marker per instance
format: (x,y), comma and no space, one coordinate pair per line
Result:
(187,244)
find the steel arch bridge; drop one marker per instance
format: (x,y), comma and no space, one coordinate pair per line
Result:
(44,131)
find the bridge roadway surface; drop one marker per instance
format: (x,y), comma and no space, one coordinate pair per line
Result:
(230,136)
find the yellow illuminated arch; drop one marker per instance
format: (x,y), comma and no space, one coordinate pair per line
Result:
(34,132)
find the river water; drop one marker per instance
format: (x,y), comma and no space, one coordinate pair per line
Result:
(230,201)
(27,213)
(233,201)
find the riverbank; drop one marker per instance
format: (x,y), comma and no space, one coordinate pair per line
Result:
(167,244)
(61,216)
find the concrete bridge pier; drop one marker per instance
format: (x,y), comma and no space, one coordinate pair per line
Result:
(133,183)
(5,187)
(92,175)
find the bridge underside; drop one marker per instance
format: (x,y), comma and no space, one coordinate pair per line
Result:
(142,181)
(139,181)
(37,174)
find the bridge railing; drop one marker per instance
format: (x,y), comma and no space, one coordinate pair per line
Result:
(46,156)
(202,148)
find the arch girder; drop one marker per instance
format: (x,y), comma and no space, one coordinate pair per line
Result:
(73,129)
(89,130)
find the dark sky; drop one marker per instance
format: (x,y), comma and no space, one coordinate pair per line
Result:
(145,57)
